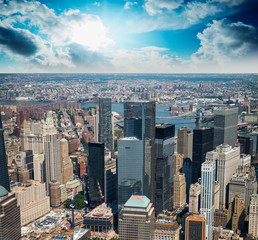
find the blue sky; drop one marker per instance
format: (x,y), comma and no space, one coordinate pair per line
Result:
(131,36)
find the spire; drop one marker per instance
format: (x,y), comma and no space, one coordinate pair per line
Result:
(47,119)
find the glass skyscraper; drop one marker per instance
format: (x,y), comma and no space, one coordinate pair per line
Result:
(130,168)
(4,177)
(139,122)
(165,145)
(105,124)
(202,143)
(96,168)
(225,126)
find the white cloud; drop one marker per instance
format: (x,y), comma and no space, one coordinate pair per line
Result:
(223,41)
(97,4)
(230,3)
(195,11)
(128,5)
(144,60)
(154,7)
(69,27)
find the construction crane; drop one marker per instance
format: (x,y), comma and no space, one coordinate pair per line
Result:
(72,207)
(100,192)
(85,181)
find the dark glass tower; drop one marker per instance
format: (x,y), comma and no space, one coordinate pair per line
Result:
(139,122)
(165,146)
(96,168)
(225,126)
(202,143)
(105,124)
(187,170)
(4,177)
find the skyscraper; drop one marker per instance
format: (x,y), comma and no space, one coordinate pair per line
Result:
(136,219)
(139,122)
(195,228)
(253,216)
(4,176)
(52,153)
(187,170)
(130,168)
(96,168)
(27,160)
(66,163)
(165,145)
(185,142)
(207,195)
(105,124)
(202,143)
(10,223)
(225,126)
(228,159)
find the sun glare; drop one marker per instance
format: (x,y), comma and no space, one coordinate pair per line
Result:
(90,33)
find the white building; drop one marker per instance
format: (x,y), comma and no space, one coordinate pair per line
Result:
(207,195)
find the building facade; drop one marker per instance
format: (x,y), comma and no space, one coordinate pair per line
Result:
(10,223)
(164,143)
(136,219)
(32,200)
(179,191)
(253,216)
(225,126)
(4,176)
(139,122)
(195,227)
(202,143)
(130,168)
(207,195)
(96,169)
(105,129)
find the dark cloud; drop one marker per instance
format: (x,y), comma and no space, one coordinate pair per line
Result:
(18,41)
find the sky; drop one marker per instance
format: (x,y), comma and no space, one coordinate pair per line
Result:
(129,36)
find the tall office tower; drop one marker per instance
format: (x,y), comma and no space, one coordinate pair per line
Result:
(39,167)
(10,223)
(66,163)
(105,124)
(110,189)
(179,199)
(136,219)
(185,142)
(243,183)
(165,145)
(195,227)
(130,168)
(96,126)
(27,162)
(207,195)
(187,170)
(96,168)
(253,216)
(194,197)
(216,195)
(246,144)
(225,126)
(25,131)
(4,176)
(139,122)
(55,193)
(236,213)
(52,153)
(228,159)
(178,162)
(202,143)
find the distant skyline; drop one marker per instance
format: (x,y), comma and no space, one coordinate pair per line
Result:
(122,36)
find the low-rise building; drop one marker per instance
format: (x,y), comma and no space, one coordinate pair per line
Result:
(33,201)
